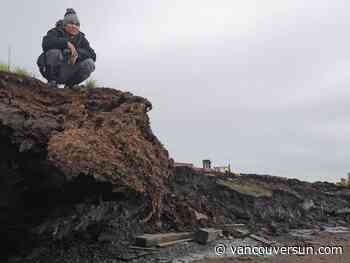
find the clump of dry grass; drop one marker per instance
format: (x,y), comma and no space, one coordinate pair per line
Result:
(91,83)
(17,70)
(4,67)
(247,188)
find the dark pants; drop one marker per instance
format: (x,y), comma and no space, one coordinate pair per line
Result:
(64,73)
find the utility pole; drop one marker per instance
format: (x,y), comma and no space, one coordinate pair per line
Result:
(9,59)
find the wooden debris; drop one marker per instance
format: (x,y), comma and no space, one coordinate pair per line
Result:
(152,240)
(166,244)
(235,230)
(262,240)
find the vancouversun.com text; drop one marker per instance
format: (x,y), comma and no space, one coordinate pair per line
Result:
(227,250)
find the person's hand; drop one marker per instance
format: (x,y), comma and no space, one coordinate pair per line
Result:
(73,60)
(73,52)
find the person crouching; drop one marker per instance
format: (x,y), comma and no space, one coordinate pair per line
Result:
(67,57)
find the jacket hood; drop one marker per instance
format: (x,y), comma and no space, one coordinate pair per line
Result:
(59,23)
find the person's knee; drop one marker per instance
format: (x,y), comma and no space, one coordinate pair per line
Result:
(53,56)
(87,66)
(82,72)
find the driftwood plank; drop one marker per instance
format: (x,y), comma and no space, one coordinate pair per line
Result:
(166,244)
(152,240)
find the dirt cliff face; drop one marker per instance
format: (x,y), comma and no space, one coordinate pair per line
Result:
(263,202)
(58,144)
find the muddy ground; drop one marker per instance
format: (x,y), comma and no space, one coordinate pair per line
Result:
(190,251)
(317,240)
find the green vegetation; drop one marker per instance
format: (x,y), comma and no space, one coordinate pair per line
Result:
(246,187)
(17,70)
(4,67)
(90,84)
(22,72)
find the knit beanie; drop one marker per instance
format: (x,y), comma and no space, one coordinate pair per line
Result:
(70,17)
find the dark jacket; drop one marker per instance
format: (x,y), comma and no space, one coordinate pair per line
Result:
(57,38)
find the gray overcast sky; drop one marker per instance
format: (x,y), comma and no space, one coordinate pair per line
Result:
(262,84)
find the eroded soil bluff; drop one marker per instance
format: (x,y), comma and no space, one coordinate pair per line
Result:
(62,144)
(81,173)
(262,202)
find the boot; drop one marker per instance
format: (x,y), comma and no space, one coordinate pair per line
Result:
(52,84)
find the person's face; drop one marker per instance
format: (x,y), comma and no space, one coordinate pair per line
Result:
(72,29)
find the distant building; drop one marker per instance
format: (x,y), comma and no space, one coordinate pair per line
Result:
(206,164)
(207,167)
(179,164)
(343,182)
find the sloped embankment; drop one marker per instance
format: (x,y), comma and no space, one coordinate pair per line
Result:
(263,202)
(60,147)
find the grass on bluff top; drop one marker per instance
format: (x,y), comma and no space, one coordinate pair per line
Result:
(246,187)
(4,67)
(91,83)
(17,70)
(22,72)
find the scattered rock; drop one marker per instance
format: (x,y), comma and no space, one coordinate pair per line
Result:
(206,235)
(151,240)
(308,204)
(343,211)
(200,216)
